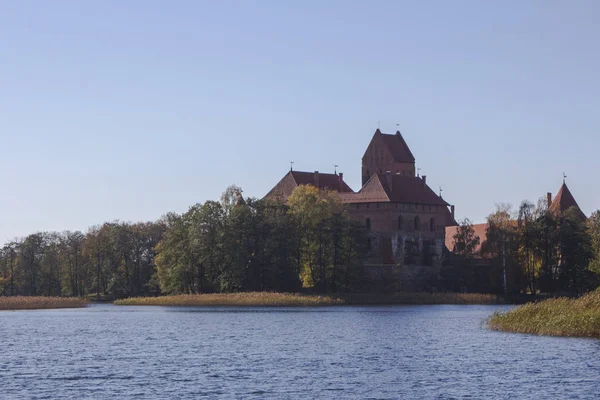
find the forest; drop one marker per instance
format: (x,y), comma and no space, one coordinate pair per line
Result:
(535,249)
(310,244)
(232,245)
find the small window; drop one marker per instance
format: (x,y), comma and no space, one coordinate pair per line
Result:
(367,205)
(377,205)
(400,222)
(432,225)
(368,223)
(417,223)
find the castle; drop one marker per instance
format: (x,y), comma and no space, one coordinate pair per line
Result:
(405,218)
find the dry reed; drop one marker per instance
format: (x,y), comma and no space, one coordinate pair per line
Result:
(40,302)
(293,300)
(578,317)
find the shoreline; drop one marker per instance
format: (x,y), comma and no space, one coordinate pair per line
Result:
(8,303)
(566,317)
(265,299)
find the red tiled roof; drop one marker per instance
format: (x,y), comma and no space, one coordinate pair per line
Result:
(563,201)
(404,189)
(398,147)
(326,181)
(410,189)
(450,221)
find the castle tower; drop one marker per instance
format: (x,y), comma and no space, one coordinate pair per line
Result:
(563,201)
(387,153)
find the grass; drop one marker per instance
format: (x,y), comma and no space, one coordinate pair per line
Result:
(39,302)
(578,317)
(294,300)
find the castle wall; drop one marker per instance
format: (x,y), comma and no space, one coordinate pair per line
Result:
(398,244)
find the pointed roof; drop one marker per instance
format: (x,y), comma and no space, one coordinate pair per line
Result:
(396,146)
(563,201)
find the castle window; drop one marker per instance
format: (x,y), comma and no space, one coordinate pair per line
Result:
(417,223)
(432,225)
(357,206)
(377,205)
(368,223)
(400,222)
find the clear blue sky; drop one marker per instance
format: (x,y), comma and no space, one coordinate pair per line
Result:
(130,109)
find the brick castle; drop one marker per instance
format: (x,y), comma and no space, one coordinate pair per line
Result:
(405,218)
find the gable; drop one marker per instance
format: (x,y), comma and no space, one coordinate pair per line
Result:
(377,150)
(372,191)
(388,148)
(283,189)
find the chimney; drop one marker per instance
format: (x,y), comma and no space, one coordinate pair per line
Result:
(424,180)
(452,211)
(549,198)
(341,179)
(317,179)
(388,179)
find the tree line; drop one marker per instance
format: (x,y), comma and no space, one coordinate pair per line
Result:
(537,250)
(235,244)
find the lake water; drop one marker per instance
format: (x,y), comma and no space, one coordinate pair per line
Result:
(395,352)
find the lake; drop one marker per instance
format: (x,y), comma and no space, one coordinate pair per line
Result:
(390,352)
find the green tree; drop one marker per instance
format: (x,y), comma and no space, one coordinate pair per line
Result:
(528,231)
(575,247)
(465,240)
(594,230)
(502,244)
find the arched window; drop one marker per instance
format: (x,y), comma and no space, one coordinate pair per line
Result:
(368,223)
(400,222)
(432,225)
(417,223)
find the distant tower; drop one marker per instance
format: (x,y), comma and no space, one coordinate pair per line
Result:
(387,153)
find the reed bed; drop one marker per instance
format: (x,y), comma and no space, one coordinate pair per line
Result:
(294,300)
(424,298)
(232,299)
(578,317)
(40,302)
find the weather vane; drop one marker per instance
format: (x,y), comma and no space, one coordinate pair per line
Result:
(335,168)
(564,177)
(398,127)
(418,172)
(441,191)
(291,165)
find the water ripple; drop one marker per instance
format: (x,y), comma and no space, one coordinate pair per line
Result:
(429,352)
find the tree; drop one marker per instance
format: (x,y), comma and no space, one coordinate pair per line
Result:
(528,232)
(594,230)
(575,251)
(465,240)
(501,243)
